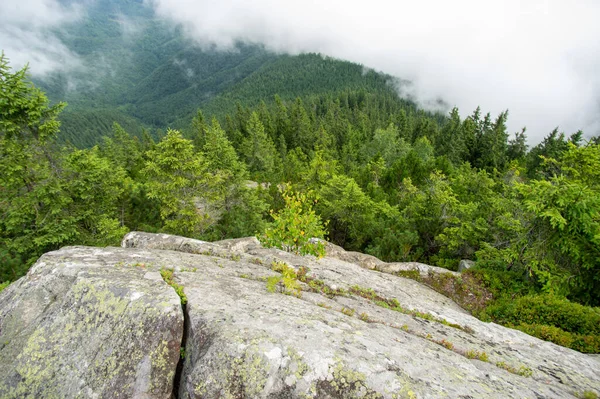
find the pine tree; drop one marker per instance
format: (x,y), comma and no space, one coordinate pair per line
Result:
(239,211)
(48,198)
(300,134)
(199,128)
(452,140)
(517,147)
(179,178)
(258,150)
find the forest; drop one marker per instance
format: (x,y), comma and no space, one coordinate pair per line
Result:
(358,166)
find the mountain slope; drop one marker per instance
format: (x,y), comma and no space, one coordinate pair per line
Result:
(141,71)
(299,76)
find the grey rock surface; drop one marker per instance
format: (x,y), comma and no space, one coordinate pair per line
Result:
(422,268)
(245,342)
(465,264)
(242,341)
(89,323)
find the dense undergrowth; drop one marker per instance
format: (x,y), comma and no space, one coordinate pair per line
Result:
(505,298)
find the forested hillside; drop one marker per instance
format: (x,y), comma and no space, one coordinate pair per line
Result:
(138,70)
(359,166)
(143,73)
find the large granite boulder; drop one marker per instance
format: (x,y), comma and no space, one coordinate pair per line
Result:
(75,327)
(90,323)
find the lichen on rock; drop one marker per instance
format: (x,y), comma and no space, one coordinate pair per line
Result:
(102,323)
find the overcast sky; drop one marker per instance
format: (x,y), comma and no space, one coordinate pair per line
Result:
(24,36)
(538,58)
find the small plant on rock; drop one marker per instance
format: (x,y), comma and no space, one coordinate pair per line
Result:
(348,311)
(288,278)
(167,276)
(296,228)
(446,344)
(473,354)
(364,317)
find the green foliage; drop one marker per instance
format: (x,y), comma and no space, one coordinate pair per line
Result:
(4,285)
(446,344)
(397,182)
(522,370)
(258,150)
(563,248)
(473,354)
(25,115)
(49,198)
(288,278)
(546,310)
(296,226)
(500,282)
(587,395)
(351,213)
(585,343)
(426,214)
(487,216)
(241,207)
(550,318)
(364,317)
(167,276)
(348,311)
(180,180)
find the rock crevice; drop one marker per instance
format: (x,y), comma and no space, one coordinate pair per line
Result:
(180,364)
(113,328)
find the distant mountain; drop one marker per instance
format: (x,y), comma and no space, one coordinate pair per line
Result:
(140,71)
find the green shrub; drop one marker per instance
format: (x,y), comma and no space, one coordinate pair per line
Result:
(587,395)
(501,283)
(288,277)
(473,354)
(546,309)
(295,226)
(579,342)
(4,285)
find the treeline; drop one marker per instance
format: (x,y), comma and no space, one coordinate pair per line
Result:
(391,180)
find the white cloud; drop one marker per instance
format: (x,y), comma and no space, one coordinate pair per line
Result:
(26,34)
(540,58)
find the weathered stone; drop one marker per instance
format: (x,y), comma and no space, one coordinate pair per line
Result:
(465,264)
(243,341)
(363,260)
(422,268)
(182,244)
(89,323)
(239,245)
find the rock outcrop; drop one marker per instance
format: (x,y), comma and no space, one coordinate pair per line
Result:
(102,323)
(89,323)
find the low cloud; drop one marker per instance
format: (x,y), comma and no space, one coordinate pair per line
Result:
(539,59)
(27,35)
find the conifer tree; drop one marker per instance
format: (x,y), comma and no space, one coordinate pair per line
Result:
(452,139)
(301,134)
(179,178)
(258,150)
(240,211)
(48,198)
(199,127)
